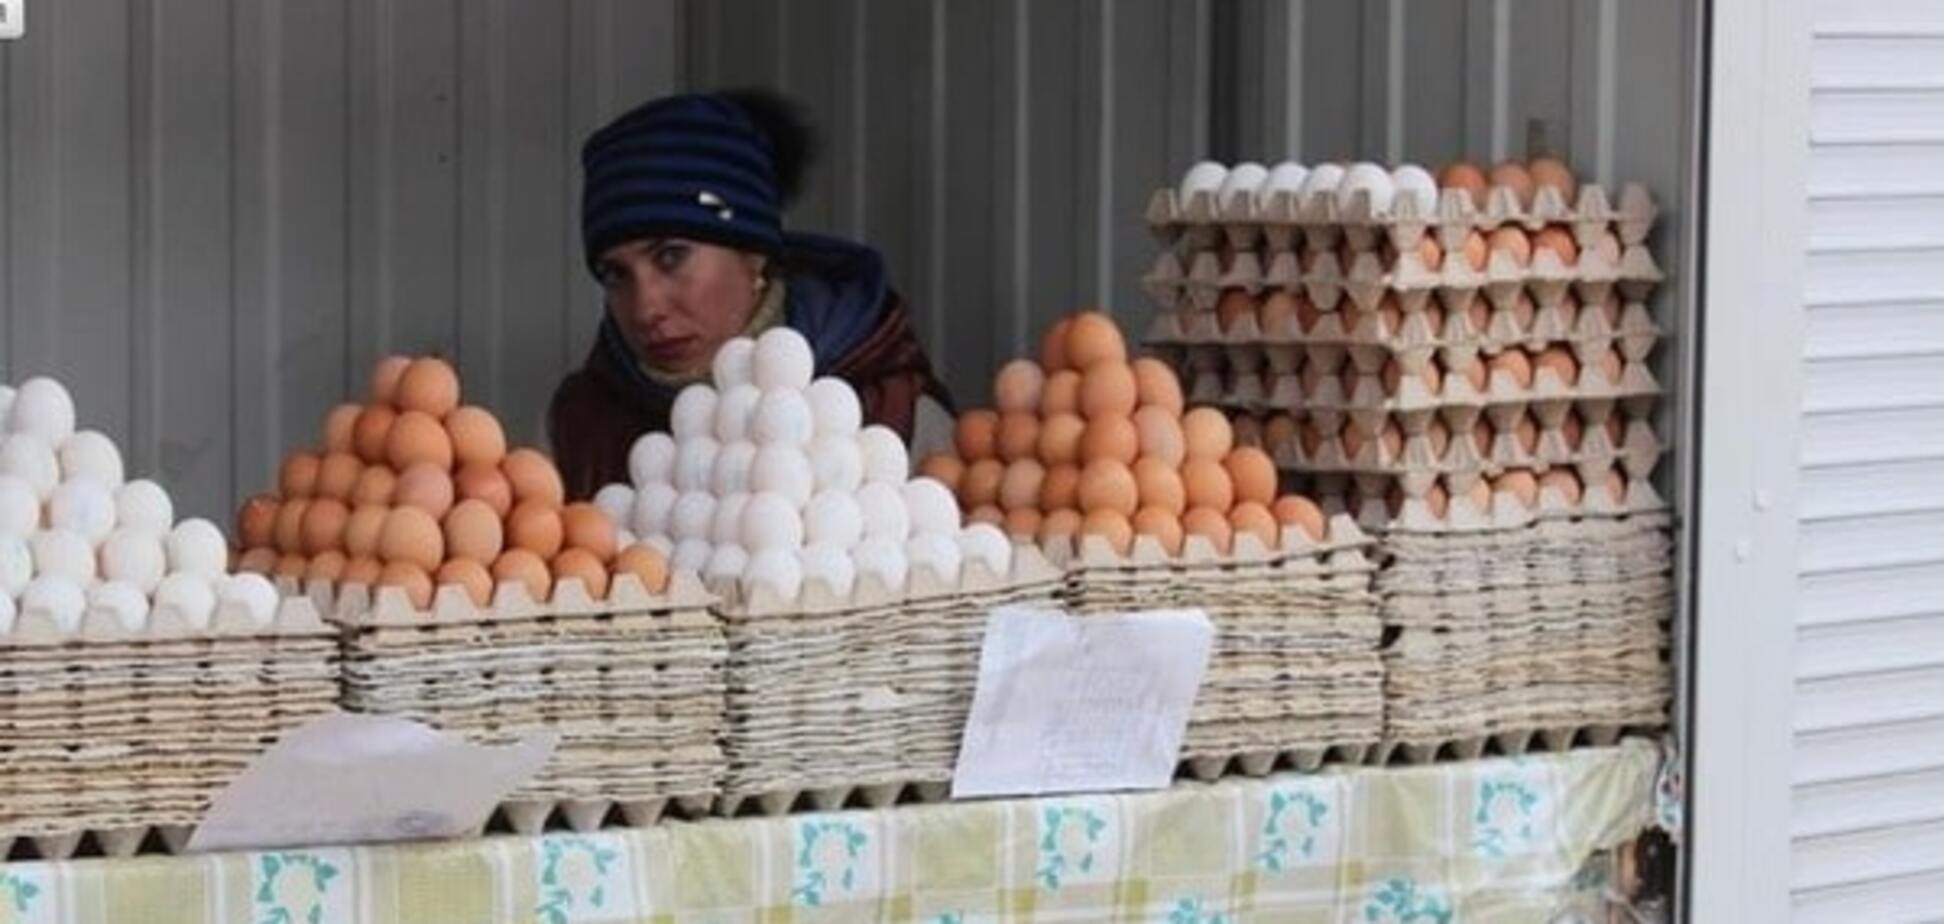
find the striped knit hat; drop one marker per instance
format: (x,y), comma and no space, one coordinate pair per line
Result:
(692,166)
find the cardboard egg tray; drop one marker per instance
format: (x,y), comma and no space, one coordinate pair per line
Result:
(114,737)
(1294,678)
(632,683)
(860,698)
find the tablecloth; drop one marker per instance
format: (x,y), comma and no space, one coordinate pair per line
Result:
(1493,840)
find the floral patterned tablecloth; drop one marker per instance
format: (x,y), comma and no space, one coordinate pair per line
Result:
(1493,840)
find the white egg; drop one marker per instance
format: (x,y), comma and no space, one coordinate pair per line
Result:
(829,565)
(777,569)
(135,556)
(937,553)
(625,537)
(836,463)
(196,546)
(733,363)
(1370,178)
(126,603)
(1207,175)
(1286,176)
(651,460)
(833,518)
(59,553)
(8,613)
(881,558)
(695,463)
(26,456)
(16,565)
(1244,179)
(783,469)
(83,506)
(1322,178)
(771,521)
(885,516)
(91,454)
(834,407)
(191,595)
(727,562)
(932,506)
(44,408)
(692,516)
(885,457)
(616,500)
(983,542)
(782,361)
(733,466)
(728,519)
(782,417)
(7,394)
(735,411)
(1417,183)
(690,555)
(253,593)
(20,507)
(693,413)
(662,544)
(652,503)
(59,598)
(142,504)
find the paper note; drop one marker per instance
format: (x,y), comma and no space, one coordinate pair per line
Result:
(1081,704)
(344,779)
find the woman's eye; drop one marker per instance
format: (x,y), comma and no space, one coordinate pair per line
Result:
(669,257)
(611,275)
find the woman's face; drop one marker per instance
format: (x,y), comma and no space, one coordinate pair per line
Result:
(676,301)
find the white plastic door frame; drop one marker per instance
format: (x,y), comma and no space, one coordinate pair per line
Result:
(1747,421)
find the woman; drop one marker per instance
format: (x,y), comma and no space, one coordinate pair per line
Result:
(680,220)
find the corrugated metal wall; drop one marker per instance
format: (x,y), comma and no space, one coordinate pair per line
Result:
(1869,710)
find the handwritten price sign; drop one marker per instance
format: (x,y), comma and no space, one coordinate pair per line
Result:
(13,18)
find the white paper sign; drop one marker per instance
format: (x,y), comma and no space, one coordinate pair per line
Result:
(345,778)
(1081,704)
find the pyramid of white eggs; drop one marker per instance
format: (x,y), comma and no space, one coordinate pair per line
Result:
(768,478)
(75,536)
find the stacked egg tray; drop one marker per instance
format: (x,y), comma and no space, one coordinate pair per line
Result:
(122,738)
(860,699)
(633,684)
(1295,677)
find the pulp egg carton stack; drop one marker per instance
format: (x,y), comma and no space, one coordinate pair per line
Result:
(633,683)
(1295,676)
(860,698)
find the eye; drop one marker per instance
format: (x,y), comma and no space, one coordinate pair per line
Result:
(668,257)
(611,274)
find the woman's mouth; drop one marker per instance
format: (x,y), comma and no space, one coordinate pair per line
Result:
(671,351)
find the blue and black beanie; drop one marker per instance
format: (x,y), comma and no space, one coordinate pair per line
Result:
(700,165)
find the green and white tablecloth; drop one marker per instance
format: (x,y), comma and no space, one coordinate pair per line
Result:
(1495,840)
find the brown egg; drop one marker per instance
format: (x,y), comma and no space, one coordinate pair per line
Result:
(1513,363)
(1476,374)
(989,514)
(373,432)
(1467,177)
(1430,252)
(1616,486)
(1297,510)
(418,437)
(1053,349)
(1307,314)
(473,531)
(1573,430)
(1514,176)
(1022,524)
(323,525)
(476,436)
(429,386)
(1394,377)
(977,435)
(1514,242)
(1253,474)
(582,565)
(647,565)
(261,560)
(1111,525)
(298,477)
(1390,314)
(338,475)
(1020,488)
(1277,432)
(1159,486)
(1016,389)
(1616,429)
(340,427)
(1061,394)
(375,485)
(980,485)
(1563,481)
(1254,518)
(520,566)
(1234,305)
(1018,435)
(256,521)
(1560,362)
(1526,431)
(1520,484)
(1092,338)
(384,378)
(425,486)
(588,528)
(412,535)
(1108,484)
(1060,489)
(1310,436)
(1354,441)
(1248,430)
(469,576)
(1059,439)
(533,476)
(944,468)
(1483,436)
(1060,525)
(1611,364)
(1207,484)
(365,571)
(1477,251)
(363,529)
(1108,389)
(484,483)
(535,526)
(289,531)
(1438,499)
(1209,524)
(412,579)
(1110,438)
(1480,494)
(1553,172)
(291,566)
(1206,434)
(326,566)
(1439,435)
(1163,526)
(1559,240)
(1277,311)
